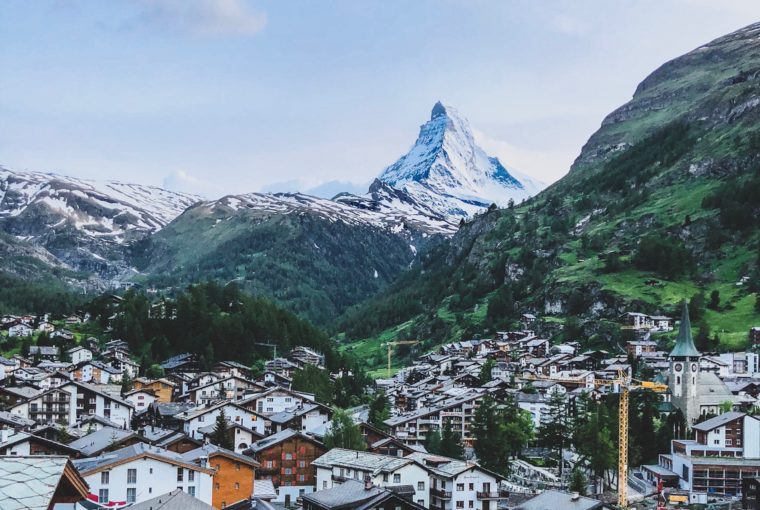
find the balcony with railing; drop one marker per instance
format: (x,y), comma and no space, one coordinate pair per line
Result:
(440,493)
(500,494)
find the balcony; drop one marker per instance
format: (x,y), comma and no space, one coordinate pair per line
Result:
(339,478)
(267,471)
(440,493)
(493,495)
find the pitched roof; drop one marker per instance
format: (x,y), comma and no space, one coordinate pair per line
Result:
(446,466)
(174,500)
(372,462)
(556,499)
(96,442)
(684,342)
(281,436)
(29,483)
(352,494)
(717,421)
(210,450)
(135,451)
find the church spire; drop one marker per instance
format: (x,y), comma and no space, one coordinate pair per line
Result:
(685,347)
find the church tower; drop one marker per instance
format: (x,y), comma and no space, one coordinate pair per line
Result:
(684,371)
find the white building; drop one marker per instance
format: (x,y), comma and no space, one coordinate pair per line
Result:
(460,484)
(339,464)
(20,330)
(88,399)
(140,472)
(200,417)
(79,354)
(276,400)
(141,399)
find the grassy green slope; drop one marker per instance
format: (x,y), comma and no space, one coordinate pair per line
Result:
(679,163)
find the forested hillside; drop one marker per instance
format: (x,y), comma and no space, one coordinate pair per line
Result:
(663,204)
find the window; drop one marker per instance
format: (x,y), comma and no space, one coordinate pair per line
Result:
(180,474)
(460,504)
(288,399)
(471,504)
(324,484)
(237,466)
(420,486)
(191,491)
(269,463)
(131,476)
(288,456)
(131,495)
(216,486)
(421,502)
(728,442)
(237,486)
(302,463)
(472,486)
(190,475)
(270,399)
(460,487)
(396,478)
(105,477)
(103,496)
(287,471)
(301,478)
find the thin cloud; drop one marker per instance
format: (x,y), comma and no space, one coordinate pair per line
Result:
(201,17)
(181,181)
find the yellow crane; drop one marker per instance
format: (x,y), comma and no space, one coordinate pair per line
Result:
(390,345)
(625,385)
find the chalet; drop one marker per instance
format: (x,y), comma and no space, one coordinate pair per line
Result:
(286,459)
(52,406)
(339,465)
(276,400)
(310,417)
(636,320)
(637,348)
(356,495)
(88,399)
(661,323)
(185,362)
(304,355)
(125,366)
(234,474)
(79,354)
(104,440)
(20,330)
(138,472)
(228,388)
(161,388)
(96,372)
(140,399)
(45,327)
(527,320)
(199,417)
(63,335)
(25,444)
(232,368)
(754,335)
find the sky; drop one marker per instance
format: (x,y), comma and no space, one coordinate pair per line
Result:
(231,96)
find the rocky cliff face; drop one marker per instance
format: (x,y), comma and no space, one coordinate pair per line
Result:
(84,225)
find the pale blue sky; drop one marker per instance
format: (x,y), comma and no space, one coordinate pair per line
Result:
(228,96)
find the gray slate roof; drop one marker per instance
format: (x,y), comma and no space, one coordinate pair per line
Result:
(552,499)
(174,500)
(717,421)
(98,441)
(29,483)
(365,461)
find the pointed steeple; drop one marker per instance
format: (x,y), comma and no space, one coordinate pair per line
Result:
(684,342)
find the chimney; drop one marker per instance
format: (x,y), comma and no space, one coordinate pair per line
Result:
(575,496)
(367,483)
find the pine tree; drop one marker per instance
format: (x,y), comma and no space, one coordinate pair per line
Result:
(344,433)
(379,410)
(486,371)
(433,442)
(555,430)
(578,482)
(221,434)
(451,442)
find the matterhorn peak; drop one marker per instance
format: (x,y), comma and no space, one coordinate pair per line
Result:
(448,171)
(438,110)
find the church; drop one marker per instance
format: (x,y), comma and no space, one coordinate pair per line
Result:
(694,390)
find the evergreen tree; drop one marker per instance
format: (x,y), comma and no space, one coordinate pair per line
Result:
(126,383)
(486,371)
(499,433)
(697,307)
(344,433)
(221,434)
(154,371)
(554,432)
(714,300)
(314,380)
(451,442)
(433,442)
(379,410)
(578,482)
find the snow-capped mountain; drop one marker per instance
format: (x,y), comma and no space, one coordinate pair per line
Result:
(81,222)
(449,173)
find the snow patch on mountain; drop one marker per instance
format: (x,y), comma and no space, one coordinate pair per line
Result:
(448,172)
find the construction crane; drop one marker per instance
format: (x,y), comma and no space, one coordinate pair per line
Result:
(274,356)
(392,344)
(625,384)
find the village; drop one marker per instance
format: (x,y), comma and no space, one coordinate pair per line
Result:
(84,426)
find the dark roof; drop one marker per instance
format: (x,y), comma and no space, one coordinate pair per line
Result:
(684,342)
(352,494)
(717,421)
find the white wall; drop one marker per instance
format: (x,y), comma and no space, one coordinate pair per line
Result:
(410,474)
(153,479)
(751,437)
